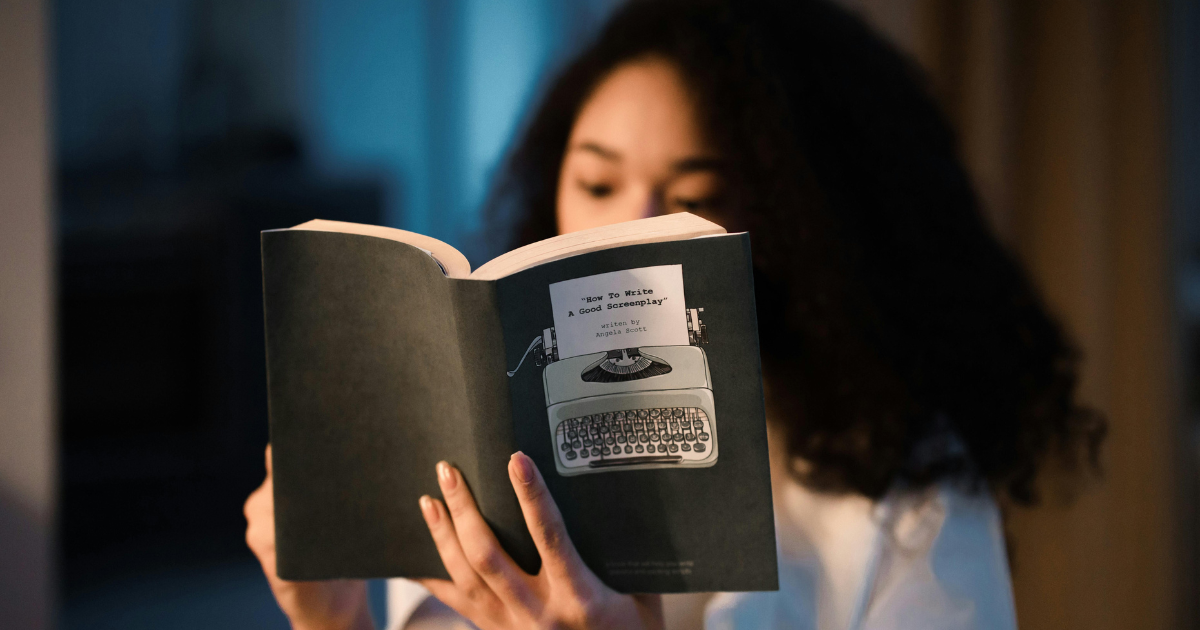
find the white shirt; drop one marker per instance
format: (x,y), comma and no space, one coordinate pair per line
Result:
(929,560)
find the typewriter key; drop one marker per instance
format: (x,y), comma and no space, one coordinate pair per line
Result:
(639,448)
(689,437)
(566,446)
(662,448)
(654,413)
(673,448)
(595,451)
(642,413)
(605,451)
(685,447)
(703,437)
(653,437)
(576,443)
(678,437)
(678,412)
(620,415)
(583,453)
(570,455)
(572,434)
(699,446)
(621,438)
(645,438)
(629,449)
(609,441)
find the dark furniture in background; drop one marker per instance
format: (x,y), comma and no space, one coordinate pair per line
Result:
(163,384)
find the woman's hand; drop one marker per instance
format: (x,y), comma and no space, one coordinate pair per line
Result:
(492,591)
(333,604)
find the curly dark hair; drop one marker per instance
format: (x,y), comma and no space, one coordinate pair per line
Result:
(900,340)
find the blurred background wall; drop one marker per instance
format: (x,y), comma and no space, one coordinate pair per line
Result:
(169,132)
(27,453)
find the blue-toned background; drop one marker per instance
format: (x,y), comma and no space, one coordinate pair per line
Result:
(418,97)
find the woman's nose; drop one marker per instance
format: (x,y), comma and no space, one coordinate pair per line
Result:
(651,206)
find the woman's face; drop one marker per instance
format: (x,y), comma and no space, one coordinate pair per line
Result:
(636,150)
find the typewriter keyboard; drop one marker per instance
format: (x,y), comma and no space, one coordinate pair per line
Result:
(637,436)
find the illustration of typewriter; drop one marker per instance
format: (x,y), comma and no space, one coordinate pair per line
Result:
(630,408)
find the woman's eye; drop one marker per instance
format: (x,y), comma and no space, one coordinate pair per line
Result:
(690,204)
(597,191)
(697,192)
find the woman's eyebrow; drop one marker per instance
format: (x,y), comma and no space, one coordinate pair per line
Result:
(603,152)
(693,164)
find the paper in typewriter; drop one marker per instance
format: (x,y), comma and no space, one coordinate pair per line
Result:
(643,408)
(620,309)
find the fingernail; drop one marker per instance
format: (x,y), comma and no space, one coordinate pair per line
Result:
(428,509)
(446,474)
(523,465)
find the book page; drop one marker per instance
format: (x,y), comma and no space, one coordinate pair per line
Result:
(452,262)
(668,227)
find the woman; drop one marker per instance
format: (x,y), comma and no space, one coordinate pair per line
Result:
(914,380)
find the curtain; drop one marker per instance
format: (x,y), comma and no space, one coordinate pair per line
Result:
(1062,110)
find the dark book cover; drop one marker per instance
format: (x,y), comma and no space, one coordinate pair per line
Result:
(379,366)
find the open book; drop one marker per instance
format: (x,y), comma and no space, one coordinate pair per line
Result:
(623,360)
